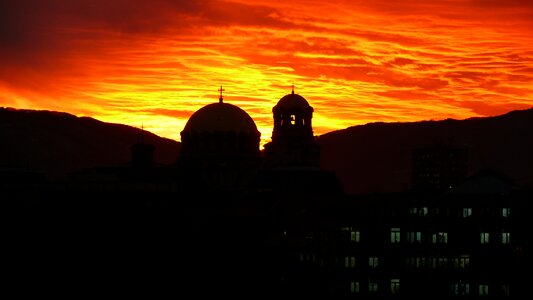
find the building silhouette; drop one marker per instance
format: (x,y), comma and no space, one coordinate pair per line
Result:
(220,147)
(293,143)
(229,220)
(292,159)
(439,167)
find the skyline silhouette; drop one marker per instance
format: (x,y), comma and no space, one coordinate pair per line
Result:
(256,148)
(226,219)
(345,151)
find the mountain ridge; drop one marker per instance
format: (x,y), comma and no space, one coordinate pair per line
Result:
(58,143)
(376,157)
(370,158)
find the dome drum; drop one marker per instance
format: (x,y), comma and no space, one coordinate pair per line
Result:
(196,143)
(220,130)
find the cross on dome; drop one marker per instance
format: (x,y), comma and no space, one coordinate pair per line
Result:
(220,90)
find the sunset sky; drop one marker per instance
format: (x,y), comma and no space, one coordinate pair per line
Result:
(156,62)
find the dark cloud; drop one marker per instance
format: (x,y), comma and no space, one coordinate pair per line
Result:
(30,29)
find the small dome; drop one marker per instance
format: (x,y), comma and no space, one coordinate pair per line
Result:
(292,101)
(221,117)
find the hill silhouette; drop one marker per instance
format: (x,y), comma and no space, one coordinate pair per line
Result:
(57,143)
(376,157)
(371,158)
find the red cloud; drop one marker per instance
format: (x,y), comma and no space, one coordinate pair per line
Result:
(355,60)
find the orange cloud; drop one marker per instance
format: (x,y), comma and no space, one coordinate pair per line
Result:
(156,62)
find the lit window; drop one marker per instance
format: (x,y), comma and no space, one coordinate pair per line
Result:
(420,262)
(506,211)
(414,237)
(484,237)
(432,262)
(418,211)
(372,286)
(423,211)
(355,236)
(505,290)
(460,289)
(439,238)
(395,286)
(354,286)
(410,261)
(505,237)
(467,212)
(462,262)
(349,262)
(395,235)
(373,262)
(483,290)
(443,262)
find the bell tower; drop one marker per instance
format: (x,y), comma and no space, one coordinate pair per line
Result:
(293,143)
(292,118)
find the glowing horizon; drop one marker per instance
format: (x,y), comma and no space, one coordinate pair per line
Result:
(355,62)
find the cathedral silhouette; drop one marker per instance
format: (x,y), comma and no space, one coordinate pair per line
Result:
(220,150)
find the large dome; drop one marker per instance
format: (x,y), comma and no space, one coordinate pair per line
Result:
(221,117)
(292,101)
